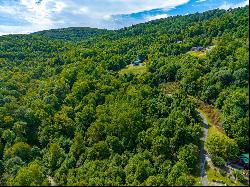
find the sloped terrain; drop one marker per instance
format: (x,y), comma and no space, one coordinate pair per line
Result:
(69,117)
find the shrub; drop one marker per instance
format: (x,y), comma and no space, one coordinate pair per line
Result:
(238,175)
(218,161)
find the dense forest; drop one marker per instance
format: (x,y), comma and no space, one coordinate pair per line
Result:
(67,113)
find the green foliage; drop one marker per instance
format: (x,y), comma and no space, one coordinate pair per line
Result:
(218,161)
(19,149)
(98,151)
(220,145)
(76,34)
(32,175)
(158,180)
(239,176)
(11,167)
(138,169)
(54,157)
(190,155)
(69,109)
(179,175)
(236,113)
(77,147)
(8,136)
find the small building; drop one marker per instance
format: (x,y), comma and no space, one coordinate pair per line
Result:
(137,62)
(244,158)
(196,49)
(179,42)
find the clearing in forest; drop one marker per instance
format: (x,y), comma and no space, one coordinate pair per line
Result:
(170,88)
(140,69)
(201,53)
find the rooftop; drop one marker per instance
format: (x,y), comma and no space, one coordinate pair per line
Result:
(245,158)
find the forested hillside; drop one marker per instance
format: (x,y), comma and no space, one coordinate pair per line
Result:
(69,117)
(73,33)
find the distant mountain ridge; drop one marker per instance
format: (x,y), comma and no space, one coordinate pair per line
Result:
(76,34)
(72,33)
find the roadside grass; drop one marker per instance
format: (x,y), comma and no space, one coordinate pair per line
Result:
(197,181)
(212,114)
(134,69)
(217,174)
(212,128)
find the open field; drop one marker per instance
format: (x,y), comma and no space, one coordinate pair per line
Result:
(134,69)
(199,54)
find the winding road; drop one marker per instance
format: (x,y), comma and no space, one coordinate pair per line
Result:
(203,155)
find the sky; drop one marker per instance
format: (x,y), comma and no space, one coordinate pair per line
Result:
(27,16)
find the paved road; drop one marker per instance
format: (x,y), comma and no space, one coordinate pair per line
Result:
(203,156)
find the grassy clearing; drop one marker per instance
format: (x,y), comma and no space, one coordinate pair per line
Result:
(133,69)
(170,87)
(198,54)
(201,54)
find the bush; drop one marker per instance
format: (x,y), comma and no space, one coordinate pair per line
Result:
(218,161)
(20,149)
(238,175)
(220,145)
